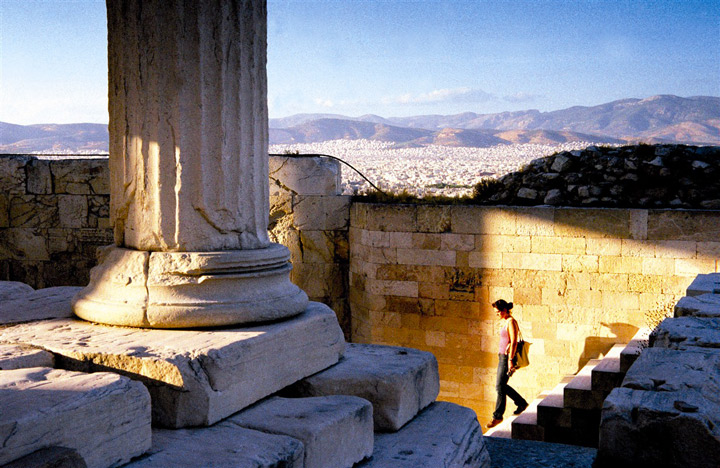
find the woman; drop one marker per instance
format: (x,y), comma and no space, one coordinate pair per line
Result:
(506,362)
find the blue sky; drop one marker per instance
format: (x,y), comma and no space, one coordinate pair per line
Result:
(394,58)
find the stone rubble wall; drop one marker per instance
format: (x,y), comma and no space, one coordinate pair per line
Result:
(581,279)
(642,176)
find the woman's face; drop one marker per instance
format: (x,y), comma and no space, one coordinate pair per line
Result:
(501,313)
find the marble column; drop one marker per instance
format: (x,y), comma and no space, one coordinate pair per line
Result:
(189,171)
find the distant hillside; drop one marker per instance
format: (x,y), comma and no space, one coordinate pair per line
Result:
(657,119)
(54,138)
(665,118)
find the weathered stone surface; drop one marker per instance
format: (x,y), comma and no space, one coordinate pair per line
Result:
(399,382)
(40,304)
(12,174)
(39,179)
(23,356)
(514,453)
(223,445)
(190,289)
(322,212)
(667,411)
(442,435)
(336,431)
(641,428)
(195,377)
(705,284)
(10,290)
(51,457)
(199,187)
(687,333)
(305,175)
(104,417)
(704,305)
(91,176)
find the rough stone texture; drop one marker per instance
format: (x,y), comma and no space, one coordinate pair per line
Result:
(190,289)
(685,333)
(297,175)
(640,176)
(51,457)
(223,445)
(704,305)
(509,453)
(23,356)
(666,413)
(41,304)
(104,417)
(202,184)
(195,377)
(399,382)
(443,435)
(10,290)
(705,284)
(336,431)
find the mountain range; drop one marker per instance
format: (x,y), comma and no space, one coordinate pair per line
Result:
(657,119)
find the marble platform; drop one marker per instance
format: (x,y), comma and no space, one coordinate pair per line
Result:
(195,377)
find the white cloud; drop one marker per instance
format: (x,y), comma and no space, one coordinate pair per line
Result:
(445,95)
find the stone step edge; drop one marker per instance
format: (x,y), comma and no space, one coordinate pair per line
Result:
(633,349)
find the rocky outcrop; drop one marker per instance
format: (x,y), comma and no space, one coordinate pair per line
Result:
(641,176)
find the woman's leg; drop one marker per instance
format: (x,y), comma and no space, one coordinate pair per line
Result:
(515,396)
(501,386)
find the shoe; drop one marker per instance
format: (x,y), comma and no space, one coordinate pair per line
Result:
(493,423)
(520,409)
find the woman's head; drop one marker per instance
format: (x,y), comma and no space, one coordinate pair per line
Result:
(503,306)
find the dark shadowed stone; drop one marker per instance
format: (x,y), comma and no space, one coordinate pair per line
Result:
(51,457)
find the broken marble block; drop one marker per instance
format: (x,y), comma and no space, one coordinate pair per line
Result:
(40,304)
(708,283)
(336,431)
(222,445)
(442,435)
(104,417)
(686,333)
(704,305)
(666,413)
(10,290)
(16,356)
(399,382)
(195,377)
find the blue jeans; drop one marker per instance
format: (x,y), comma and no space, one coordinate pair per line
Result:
(503,389)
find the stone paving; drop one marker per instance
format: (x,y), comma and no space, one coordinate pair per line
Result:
(509,453)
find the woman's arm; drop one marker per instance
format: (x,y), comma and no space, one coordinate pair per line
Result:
(513,336)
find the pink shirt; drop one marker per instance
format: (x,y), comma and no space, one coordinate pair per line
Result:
(504,339)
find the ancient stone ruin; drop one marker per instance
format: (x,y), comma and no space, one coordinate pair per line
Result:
(175,352)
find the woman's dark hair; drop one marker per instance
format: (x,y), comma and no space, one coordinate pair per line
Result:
(501,304)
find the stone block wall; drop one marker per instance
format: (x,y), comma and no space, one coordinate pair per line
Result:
(581,280)
(310,217)
(53,216)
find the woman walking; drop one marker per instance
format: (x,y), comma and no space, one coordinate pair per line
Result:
(506,362)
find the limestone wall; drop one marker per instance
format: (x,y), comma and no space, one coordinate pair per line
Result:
(581,280)
(53,216)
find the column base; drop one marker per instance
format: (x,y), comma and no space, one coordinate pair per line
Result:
(190,289)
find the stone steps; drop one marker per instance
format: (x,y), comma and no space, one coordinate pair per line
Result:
(570,412)
(104,417)
(327,423)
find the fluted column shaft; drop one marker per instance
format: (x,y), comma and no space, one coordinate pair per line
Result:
(188,124)
(189,195)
